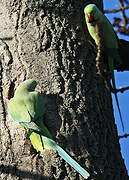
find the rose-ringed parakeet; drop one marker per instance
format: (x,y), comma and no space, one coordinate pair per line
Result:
(95,21)
(27,107)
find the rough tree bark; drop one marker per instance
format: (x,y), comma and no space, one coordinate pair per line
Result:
(48,40)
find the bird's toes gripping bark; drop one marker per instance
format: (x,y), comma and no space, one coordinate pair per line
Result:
(38,88)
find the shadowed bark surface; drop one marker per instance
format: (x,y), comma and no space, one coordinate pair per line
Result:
(47,40)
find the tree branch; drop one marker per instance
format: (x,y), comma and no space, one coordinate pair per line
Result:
(124,136)
(116,10)
(122,89)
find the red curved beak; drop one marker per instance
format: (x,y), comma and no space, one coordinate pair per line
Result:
(90,17)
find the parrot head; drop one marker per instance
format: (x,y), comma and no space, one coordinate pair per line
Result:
(30,84)
(92,13)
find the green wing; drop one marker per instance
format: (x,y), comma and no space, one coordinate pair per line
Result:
(26,109)
(24,104)
(35,105)
(18,110)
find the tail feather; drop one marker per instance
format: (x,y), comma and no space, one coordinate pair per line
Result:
(111,67)
(66,157)
(119,111)
(72,162)
(41,142)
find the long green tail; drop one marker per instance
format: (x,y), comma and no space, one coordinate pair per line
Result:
(111,67)
(41,142)
(51,143)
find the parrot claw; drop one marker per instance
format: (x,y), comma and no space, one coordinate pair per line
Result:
(38,89)
(34,159)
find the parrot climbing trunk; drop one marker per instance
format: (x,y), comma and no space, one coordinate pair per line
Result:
(27,107)
(106,39)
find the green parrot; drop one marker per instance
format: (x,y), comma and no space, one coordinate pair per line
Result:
(96,20)
(27,107)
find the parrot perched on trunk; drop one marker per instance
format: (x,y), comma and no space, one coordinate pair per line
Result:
(96,20)
(27,107)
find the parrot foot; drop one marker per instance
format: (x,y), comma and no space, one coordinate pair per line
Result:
(34,159)
(38,89)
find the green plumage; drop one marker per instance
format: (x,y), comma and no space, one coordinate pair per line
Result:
(27,108)
(96,20)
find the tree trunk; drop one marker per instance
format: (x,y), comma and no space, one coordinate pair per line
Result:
(48,40)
